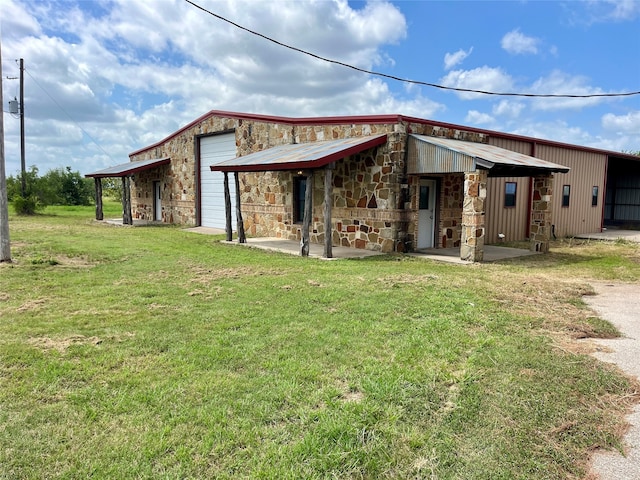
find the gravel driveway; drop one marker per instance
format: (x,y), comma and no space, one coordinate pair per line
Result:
(620,305)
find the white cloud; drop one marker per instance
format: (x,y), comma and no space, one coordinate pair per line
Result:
(560,83)
(519,43)
(508,108)
(624,9)
(629,123)
(130,73)
(453,59)
(483,78)
(475,117)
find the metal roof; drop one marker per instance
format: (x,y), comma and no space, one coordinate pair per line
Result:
(443,155)
(299,155)
(129,168)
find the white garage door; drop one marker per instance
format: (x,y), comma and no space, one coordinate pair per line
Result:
(215,149)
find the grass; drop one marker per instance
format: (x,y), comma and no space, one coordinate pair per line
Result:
(157,353)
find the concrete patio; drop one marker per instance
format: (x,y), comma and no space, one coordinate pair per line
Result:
(492,253)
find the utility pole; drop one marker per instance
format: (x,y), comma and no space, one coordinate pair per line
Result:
(5,245)
(23,167)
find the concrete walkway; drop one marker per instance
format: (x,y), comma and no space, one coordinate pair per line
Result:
(620,305)
(613,234)
(451,255)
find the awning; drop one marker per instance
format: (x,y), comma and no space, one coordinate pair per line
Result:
(443,155)
(299,156)
(129,168)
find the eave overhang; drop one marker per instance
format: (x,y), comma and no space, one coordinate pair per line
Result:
(300,156)
(430,155)
(129,168)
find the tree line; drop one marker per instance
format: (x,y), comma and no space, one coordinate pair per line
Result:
(59,186)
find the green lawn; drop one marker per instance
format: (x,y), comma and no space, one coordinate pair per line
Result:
(152,352)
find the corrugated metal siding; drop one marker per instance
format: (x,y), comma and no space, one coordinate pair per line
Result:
(587,170)
(510,221)
(424,157)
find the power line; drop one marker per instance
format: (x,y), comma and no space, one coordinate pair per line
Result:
(67,114)
(407,80)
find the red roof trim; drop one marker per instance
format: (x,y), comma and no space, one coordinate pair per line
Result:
(302,165)
(376,119)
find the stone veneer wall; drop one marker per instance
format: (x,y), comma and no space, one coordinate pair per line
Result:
(369,205)
(451,200)
(179,177)
(366,188)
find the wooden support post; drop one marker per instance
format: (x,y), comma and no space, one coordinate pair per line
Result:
(240,223)
(99,214)
(328,201)
(308,214)
(127,218)
(227,207)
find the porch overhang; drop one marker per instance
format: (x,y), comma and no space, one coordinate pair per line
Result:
(300,156)
(129,168)
(431,155)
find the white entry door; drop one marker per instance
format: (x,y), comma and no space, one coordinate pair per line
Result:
(157,202)
(426,213)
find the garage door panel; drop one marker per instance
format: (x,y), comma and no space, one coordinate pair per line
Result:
(215,149)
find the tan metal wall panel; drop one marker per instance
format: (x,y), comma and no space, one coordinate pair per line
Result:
(510,221)
(587,170)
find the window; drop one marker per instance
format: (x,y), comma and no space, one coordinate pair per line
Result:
(424,197)
(510,189)
(594,196)
(299,191)
(566,193)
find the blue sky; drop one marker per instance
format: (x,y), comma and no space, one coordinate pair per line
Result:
(106,77)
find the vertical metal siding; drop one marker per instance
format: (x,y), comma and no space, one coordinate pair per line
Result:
(424,157)
(510,221)
(587,170)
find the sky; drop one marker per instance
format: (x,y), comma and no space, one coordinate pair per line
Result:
(104,78)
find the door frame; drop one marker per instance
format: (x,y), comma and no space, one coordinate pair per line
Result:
(157,201)
(434,200)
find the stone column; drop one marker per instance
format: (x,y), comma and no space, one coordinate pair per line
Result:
(473,215)
(541,213)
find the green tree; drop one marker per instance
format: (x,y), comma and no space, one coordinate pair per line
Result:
(59,186)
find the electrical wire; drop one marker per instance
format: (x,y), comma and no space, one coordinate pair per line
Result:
(70,117)
(407,80)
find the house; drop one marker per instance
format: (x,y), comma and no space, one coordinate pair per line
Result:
(388,183)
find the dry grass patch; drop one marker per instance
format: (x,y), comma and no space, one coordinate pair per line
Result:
(62,344)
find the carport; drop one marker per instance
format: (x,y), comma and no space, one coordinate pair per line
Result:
(124,171)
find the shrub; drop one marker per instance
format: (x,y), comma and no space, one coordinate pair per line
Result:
(26,205)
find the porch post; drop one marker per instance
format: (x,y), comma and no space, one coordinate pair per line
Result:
(99,214)
(240,223)
(541,213)
(308,213)
(127,218)
(473,216)
(227,207)
(328,200)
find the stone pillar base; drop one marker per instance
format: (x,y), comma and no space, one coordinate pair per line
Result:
(473,218)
